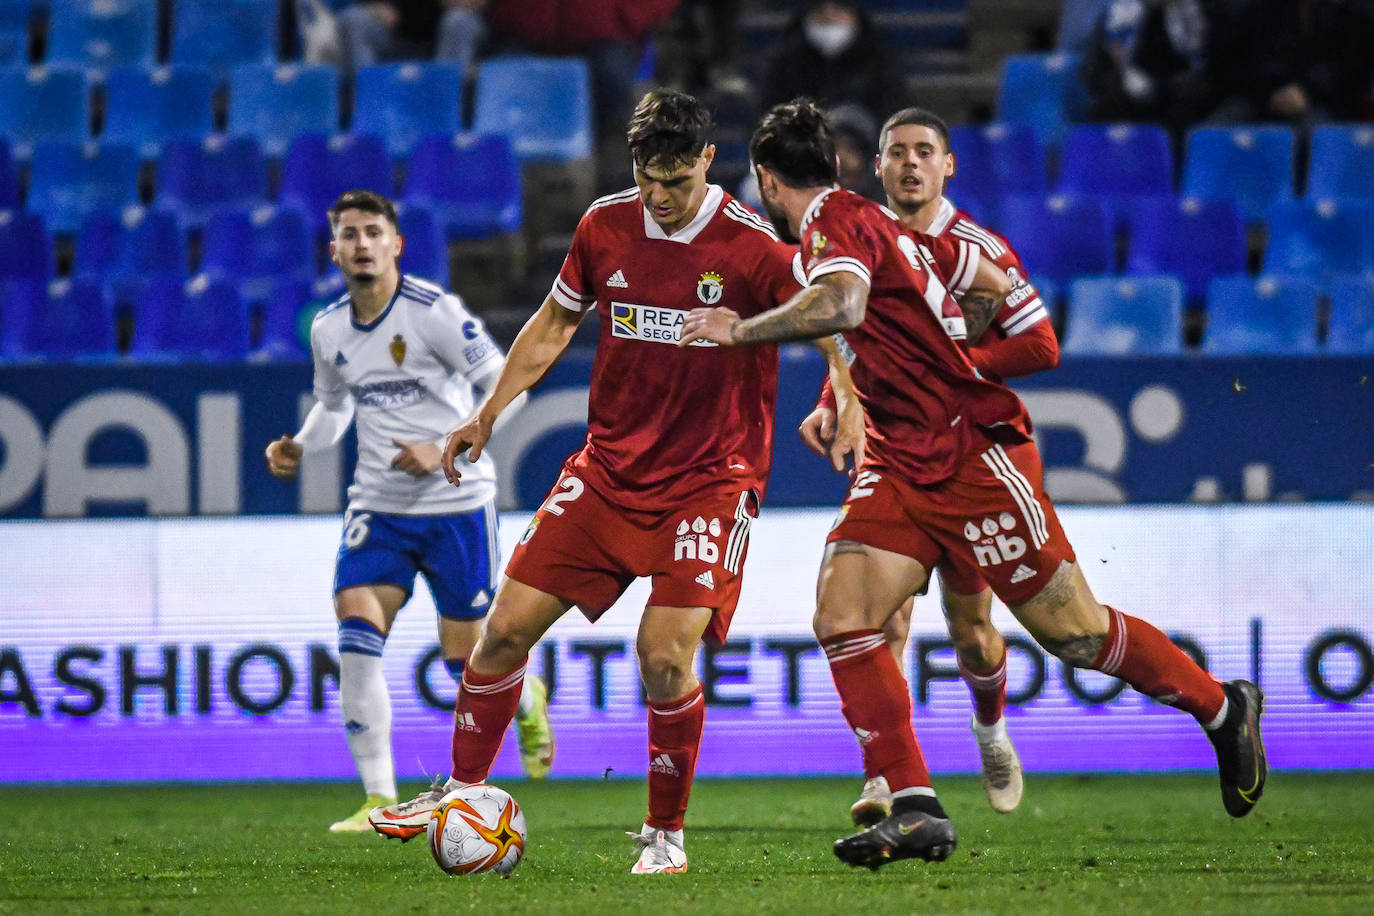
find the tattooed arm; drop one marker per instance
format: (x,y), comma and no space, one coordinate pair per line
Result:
(835,302)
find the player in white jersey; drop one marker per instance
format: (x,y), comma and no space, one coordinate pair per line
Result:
(400,358)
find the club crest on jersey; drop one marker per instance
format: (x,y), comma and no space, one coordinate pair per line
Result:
(398,350)
(650,323)
(710,287)
(819,244)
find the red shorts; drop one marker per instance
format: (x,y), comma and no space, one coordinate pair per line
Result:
(991,522)
(583,548)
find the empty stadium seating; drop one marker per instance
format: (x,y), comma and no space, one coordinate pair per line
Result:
(273,103)
(70,180)
(996,160)
(1350,326)
(542,104)
(1270,314)
(102,34)
(202,319)
(148,107)
(195,177)
(222,33)
(1042,91)
(1119,164)
(134,242)
(318,168)
(252,247)
(27,245)
(1122,316)
(43,103)
(1059,237)
(470,182)
(61,320)
(403,102)
(15,16)
(1342,162)
(1251,165)
(1320,237)
(1191,238)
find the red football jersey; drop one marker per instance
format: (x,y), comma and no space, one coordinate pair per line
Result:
(922,395)
(1020,341)
(666,422)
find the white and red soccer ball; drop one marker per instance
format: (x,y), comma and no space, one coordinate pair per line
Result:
(477,828)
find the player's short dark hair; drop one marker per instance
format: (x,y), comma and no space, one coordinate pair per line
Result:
(921,117)
(795,142)
(366,201)
(668,127)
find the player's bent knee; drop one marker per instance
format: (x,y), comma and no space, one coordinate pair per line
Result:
(503,644)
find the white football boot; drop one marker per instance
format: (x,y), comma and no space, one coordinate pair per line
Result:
(1001,766)
(874,804)
(661,852)
(409,819)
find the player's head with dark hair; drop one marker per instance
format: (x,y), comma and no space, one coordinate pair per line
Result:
(795,143)
(668,144)
(914,161)
(668,128)
(367,202)
(920,117)
(365,237)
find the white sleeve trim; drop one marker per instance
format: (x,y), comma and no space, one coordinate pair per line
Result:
(841,265)
(567,297)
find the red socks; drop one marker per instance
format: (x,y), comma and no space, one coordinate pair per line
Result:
(876,703)
(674,739)
(989,689)
(484,710)
(1144,657)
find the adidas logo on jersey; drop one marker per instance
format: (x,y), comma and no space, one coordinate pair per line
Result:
(464,722)
(706,579)
(1023,572)
(618,280)
(664,764)
(340,359)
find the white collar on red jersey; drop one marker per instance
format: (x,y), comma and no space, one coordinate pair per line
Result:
(810,212)
(709,205)
(944,217)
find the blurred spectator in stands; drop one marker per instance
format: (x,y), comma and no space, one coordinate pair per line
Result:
(698,50)
(609,34)
(1155,60)
(1299,61)
(855,138)
(380,31)
(830,52)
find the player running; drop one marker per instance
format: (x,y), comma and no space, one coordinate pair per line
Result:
(679,443)
(1006,338)
(951,473)
(402,357)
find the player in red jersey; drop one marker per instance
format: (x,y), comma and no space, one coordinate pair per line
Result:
(1007,338)
(950,473)
(679,443)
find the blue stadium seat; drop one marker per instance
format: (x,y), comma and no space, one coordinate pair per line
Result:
(281,331)
(70,181)
(1120,164)
(273,103)
(196,177)
(15,16)
(1251,165)
(66,320)
(201,319)
(102,34)
(136,242)
(1059,237)
(1320,237)
(43,103)
(1043,91)
(426,253)
(317,169)
(1342,162)
(403,102)
(1193,239)
(1125,316)
(223,33)
(148,107)
(996,160)
(1269,314)
(253,247)
(9,177)
(471,182)
(22,301)
(27,245)
(542,104)
(1350,328)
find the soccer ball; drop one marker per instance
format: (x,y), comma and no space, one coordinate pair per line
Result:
(475,829)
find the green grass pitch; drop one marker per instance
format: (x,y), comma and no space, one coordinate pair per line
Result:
(1106,844)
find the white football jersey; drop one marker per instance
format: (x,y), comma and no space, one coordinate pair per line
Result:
(408,377)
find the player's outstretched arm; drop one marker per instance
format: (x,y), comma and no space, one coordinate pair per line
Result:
(848,438)
(984,298)
(835,302)
(537,347)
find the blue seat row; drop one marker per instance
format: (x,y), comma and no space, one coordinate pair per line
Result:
(470,181)
(1251,165)
(1269,314)
(543,105)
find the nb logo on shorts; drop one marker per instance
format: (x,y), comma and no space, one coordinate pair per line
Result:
(991,546)
(694,540)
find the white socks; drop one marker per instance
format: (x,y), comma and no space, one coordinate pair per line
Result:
(527,700)
(367,720)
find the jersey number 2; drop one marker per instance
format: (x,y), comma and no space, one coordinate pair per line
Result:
(571,488)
